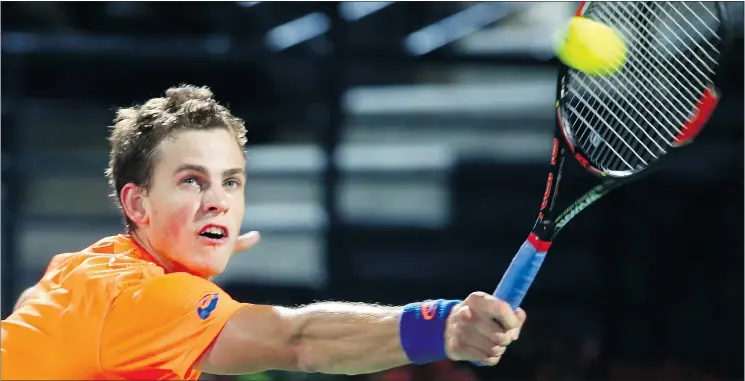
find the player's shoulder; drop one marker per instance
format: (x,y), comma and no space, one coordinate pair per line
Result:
(174,294)
(117,268)
(173,289)
(108,262)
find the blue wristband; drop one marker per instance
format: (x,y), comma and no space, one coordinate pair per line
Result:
(422,330)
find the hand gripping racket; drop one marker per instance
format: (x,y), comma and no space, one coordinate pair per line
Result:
(621,125)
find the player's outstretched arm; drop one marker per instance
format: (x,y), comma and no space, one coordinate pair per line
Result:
(347,338)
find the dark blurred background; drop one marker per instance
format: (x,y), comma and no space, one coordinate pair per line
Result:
(398,151)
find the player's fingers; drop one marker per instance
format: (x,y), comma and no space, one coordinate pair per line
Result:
(463,350)
(500,338)
(493,331)
(491,361)
(503,313)
(246,241)
(497,354)
(489,307)
(521,317)
(498,351)
(474,337)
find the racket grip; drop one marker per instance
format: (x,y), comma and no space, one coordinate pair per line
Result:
(520,274)
(522,271)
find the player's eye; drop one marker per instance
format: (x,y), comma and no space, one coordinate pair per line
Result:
(190,181)
(232,183)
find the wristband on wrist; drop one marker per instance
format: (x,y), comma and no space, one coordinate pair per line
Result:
(422,330)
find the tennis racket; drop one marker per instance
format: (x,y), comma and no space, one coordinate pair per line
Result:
(622,126)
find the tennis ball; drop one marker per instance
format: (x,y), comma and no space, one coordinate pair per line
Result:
(591,47)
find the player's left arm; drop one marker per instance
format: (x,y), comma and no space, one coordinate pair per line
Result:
(176,323)
(357,338)
(326,337)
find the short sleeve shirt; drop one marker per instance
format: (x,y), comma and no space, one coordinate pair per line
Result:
(110,312)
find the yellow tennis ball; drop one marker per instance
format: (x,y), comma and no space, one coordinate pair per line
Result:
(591,47)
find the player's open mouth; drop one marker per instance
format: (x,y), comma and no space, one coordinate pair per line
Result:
(214,233)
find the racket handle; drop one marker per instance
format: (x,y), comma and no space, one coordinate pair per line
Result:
(522,271)
(520,274)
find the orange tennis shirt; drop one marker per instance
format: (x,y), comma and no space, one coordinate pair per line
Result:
(110,312)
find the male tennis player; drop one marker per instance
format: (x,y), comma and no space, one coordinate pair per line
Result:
(141,305)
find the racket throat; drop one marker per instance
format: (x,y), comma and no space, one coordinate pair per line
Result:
(544,230)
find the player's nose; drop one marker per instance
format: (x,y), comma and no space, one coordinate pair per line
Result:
(214,202)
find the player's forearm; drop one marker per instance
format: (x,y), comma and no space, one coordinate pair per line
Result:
(336,338)
(344,338)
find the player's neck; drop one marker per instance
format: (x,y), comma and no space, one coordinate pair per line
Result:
(161,260)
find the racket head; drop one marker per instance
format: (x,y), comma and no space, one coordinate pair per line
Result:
(620,124)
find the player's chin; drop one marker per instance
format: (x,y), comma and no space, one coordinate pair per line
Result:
(211,266)
(214,258)
(213,269)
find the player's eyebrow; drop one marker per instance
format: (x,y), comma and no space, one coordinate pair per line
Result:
(202,169)
(234,171)
(191,167)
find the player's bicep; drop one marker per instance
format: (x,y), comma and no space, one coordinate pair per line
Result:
(255,338)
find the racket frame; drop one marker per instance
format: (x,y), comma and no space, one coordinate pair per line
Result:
(548,223)
(526,263)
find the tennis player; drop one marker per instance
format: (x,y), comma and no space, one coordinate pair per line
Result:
(141,305)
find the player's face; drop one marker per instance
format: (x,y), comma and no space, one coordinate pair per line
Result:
(196,201)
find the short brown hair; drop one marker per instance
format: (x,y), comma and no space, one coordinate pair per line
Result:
(138,130)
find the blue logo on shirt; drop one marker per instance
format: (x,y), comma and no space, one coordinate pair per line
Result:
(206,305)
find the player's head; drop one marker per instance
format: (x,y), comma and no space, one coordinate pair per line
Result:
(178,170)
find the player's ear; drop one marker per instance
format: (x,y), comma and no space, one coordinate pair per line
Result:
(132,198)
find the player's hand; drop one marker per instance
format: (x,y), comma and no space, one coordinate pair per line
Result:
(246,241)
(471,334)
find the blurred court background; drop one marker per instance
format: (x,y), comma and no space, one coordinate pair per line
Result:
(398,151)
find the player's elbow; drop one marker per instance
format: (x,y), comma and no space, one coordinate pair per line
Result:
(323,356)
(312,358)
(258,338)
(305,359)
(311,354)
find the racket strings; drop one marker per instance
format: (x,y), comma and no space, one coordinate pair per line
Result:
(644,55)
(626,120)
(667,129)
(659,85)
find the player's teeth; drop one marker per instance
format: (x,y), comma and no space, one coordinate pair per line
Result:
(214,230)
